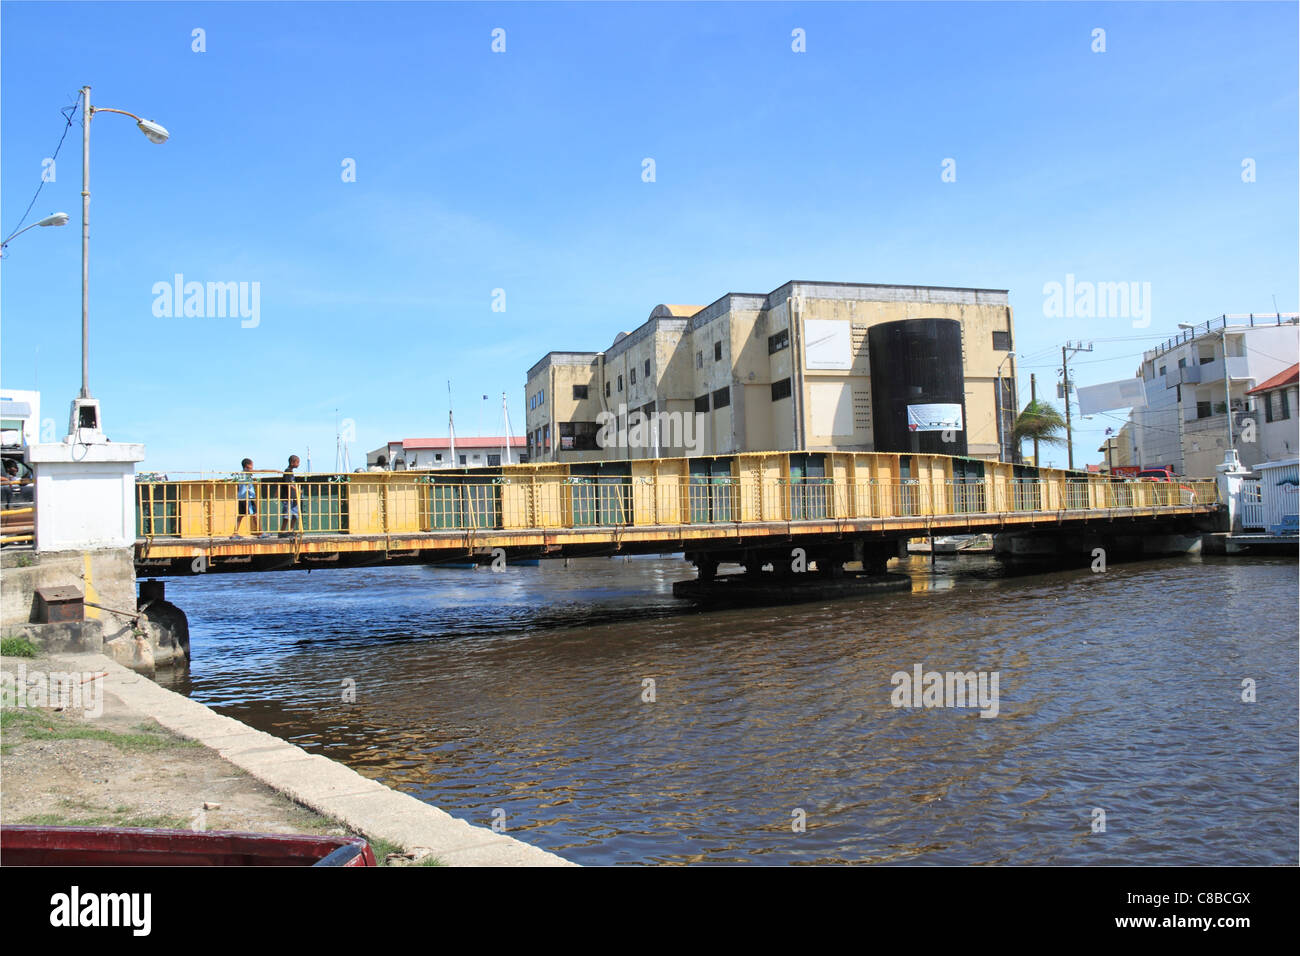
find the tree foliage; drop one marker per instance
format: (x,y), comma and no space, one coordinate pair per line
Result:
(1039,421)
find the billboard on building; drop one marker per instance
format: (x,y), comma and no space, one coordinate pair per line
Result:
(934,418)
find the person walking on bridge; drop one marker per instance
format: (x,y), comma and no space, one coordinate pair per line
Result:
(246,493)
(290,498)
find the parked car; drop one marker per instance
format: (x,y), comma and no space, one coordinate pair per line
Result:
(1187,494)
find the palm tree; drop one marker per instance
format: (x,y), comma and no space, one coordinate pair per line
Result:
(1040,422)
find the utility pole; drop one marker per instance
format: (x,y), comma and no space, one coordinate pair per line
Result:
(505,414)
(1068,349)
(1033,401)
(451,425)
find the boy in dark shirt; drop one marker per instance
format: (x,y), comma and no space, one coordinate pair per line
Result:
(290,498)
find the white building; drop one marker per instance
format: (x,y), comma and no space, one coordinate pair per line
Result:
(20,418)
(1185,423)
(477,452)
(1275,410)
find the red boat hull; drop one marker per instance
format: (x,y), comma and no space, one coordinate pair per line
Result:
(115,846)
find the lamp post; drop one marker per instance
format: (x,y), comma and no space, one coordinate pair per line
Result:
(85,410)
(57,219)
(1227,394)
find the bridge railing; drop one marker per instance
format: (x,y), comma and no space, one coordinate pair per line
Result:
(413,502)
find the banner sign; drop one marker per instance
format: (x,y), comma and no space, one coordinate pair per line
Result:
(1126,393)
(934,418)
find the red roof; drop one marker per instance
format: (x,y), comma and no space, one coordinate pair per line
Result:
(1286,377)
(494,441)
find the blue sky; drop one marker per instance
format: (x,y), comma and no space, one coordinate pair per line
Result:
(522,170)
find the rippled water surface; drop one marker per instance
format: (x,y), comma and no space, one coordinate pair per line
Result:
(524,691)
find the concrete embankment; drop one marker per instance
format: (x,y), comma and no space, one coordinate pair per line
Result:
(314,781)
(143,633)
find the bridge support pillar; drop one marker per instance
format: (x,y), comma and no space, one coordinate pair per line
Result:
(85,540)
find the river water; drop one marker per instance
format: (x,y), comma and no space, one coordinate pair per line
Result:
(770,735)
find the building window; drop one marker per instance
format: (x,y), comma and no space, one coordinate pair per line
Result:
(702,403)
(541,397)
(1182,363)
(438,456)
(1002,341)
(546,437)
(632,375)
(494,460)
(578,436)
(620,383)
(1277,409)
(780,389)
(699,360)
(722,398)
(579,392)
(1203,410)
(1207,355)
(607,389)
(647,368)
(779,341)
(1164,370)
(462,459)
(717,351)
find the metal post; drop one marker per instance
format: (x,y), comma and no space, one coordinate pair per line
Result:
(85,242)
(1227,388)
(1069,435)
(1033,398)
(1002,448)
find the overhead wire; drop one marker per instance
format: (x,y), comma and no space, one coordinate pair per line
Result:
(68,113)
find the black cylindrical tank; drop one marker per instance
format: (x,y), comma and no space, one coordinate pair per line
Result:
(915,362)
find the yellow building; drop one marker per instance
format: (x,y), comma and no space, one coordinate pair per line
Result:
(792,370)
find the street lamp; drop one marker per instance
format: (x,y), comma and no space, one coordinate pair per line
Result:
(1227,394)
(58,219)
(85,410)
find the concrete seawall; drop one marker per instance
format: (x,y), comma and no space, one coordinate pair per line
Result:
(314,781)
(141,634)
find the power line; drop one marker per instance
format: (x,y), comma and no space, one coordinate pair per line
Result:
(68,113)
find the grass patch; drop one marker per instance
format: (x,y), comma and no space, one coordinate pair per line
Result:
(18,647)
(145,822)
(382,848)
(37,725)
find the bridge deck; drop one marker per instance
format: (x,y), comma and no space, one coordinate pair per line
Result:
(194,555)
(646,505)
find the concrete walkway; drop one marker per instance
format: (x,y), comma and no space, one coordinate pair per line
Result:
(325,786)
